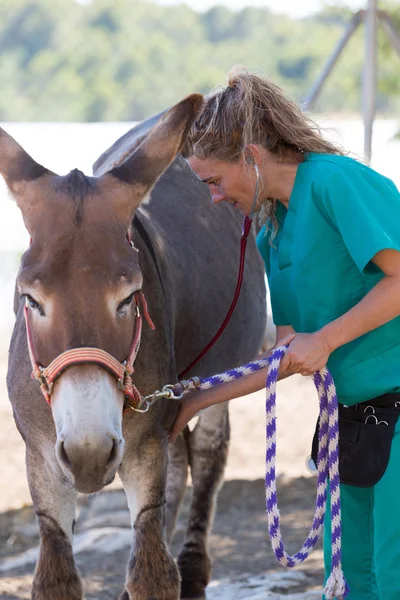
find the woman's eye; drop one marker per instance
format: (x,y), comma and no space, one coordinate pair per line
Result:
(126,302)
(33,304)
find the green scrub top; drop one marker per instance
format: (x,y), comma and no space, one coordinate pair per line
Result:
(340,214)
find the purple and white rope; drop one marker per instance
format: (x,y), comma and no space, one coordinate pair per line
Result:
(328,465)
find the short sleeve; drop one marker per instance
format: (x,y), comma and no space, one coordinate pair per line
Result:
(264,249)
(365,208)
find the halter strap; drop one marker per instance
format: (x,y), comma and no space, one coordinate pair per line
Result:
(47,376)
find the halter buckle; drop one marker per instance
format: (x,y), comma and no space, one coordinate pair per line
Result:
(41,377)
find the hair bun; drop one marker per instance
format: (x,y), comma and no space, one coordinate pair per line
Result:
(232,81)
(235,74)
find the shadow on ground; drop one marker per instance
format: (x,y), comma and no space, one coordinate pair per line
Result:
(239,542)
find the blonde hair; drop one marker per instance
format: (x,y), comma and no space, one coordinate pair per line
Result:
(253,110)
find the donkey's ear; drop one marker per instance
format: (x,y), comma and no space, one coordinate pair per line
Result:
(20,172)
(154,155)
(16,166)
(125,146)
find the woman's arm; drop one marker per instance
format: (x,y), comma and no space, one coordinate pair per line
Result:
(310,352)
(380,305)
(253,382)
(281,332)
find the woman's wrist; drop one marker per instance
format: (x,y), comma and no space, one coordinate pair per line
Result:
(328,336)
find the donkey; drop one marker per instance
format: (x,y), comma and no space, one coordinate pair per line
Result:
(96,248)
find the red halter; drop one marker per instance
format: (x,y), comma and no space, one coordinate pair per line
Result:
(46,376)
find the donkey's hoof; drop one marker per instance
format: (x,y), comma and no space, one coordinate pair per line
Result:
(149,584)
(64,592)
(195,569)
(193,590)
(190,593)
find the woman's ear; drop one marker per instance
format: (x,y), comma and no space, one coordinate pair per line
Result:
(252,155)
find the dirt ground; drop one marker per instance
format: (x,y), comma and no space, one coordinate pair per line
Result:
(239,542)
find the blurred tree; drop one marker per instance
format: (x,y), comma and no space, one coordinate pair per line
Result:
(127,59)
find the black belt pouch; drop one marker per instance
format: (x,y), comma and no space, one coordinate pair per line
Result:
(365,437)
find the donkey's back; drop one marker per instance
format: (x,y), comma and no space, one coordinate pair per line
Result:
(198,250)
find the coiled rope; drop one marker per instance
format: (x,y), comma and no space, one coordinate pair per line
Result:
(328,464)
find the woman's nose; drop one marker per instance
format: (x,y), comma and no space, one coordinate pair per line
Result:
(217,197)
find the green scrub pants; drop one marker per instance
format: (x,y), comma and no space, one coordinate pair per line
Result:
(371,534)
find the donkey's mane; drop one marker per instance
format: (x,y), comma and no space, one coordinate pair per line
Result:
(77,186)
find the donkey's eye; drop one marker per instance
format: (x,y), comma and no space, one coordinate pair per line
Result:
(33,304)
(125,302)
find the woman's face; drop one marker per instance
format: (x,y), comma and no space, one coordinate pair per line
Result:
(228,182)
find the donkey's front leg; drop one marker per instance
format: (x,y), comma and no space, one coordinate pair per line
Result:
(208,451)
(152,573)
(56,576)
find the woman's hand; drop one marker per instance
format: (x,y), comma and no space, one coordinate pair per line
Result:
(307,353)
(192,403)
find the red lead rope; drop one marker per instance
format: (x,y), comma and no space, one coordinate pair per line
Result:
(243,244)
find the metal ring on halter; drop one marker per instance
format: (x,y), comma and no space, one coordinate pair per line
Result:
(397,404)
(372,409)
(127,404)
(142,410)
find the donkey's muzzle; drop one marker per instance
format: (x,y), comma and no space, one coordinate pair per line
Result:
(90,465)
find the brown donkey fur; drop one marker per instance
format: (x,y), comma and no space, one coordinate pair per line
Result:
(77,278)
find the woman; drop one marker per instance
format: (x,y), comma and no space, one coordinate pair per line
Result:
(331,247)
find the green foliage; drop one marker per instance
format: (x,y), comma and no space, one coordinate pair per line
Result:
(127,59)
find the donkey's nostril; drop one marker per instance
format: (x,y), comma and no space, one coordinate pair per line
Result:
(114,451)
(87,459)
(62,454)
